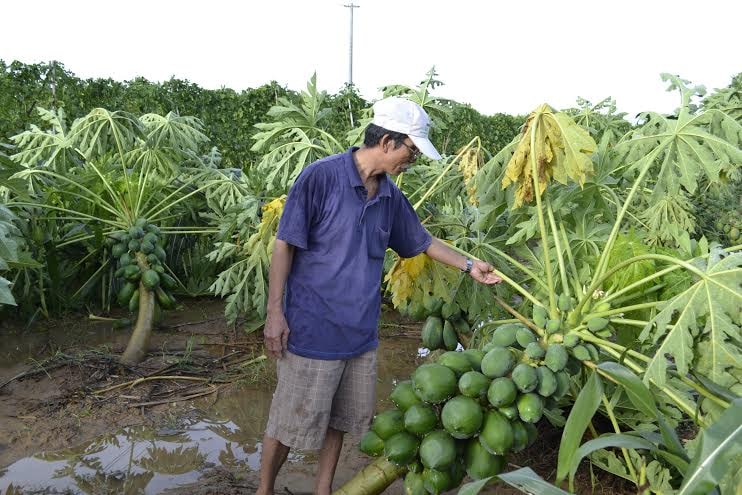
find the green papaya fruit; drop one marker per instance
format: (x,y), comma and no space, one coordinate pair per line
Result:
(450,338)
(595,324)
(432,333)
(134,301)
(563,303)
(553,326)
(539,316)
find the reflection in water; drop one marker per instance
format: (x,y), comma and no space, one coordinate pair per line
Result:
(140,460)
(178,461)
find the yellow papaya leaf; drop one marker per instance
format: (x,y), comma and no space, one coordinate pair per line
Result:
(412,279)
(470,163)
(272,212)
(562,151)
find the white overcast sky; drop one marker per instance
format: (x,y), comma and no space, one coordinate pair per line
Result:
(498,56)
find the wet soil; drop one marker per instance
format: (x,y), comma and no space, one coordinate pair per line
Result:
(58,436)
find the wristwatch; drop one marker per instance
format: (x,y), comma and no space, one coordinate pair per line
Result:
(469,265)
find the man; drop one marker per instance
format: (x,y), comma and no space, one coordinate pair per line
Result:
(340,216)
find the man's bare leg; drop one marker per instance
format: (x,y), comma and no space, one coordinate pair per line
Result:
(273,456)
(328,461)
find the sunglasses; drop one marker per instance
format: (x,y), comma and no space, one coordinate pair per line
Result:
(415,152)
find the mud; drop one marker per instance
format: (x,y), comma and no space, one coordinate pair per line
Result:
(56,436)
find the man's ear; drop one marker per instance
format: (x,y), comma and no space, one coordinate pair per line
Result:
(385,142)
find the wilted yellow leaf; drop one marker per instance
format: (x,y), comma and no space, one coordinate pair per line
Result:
(469,165)
(413,278)
(562,151)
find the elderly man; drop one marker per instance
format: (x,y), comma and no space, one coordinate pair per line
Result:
(324,300)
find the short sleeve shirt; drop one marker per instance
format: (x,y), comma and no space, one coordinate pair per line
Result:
(333,291)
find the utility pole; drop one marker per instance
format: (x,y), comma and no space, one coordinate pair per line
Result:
(350,54)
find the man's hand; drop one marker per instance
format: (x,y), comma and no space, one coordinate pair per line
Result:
(484,273)
(276,333)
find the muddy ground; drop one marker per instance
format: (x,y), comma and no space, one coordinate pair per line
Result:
(62,432)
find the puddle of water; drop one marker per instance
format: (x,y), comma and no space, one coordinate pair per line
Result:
(139,460)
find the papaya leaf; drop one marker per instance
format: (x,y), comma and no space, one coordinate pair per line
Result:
(562,152)
(244,283)
(715,297)
(526,480)
(294,139)
(173,131)
(603,442)
(720,443)
(626,247)
(582,412)
(101,132)
(686,147)
(6,297)
(608,461)
(643,399)
(414,278)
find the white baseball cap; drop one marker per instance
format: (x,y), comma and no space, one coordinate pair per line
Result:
(405,116)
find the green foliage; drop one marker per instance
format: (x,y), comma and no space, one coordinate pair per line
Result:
(601,119)
(713,348)
(245,282)
(727,100)
(9,236)
(678,152)
(295,139)
(628,246)
(228,116)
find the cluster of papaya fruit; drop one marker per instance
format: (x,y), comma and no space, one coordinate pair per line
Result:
(140,257)
(466,412)
(729,225)
(443,329)
(446,424)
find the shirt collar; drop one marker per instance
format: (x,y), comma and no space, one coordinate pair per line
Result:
(354,178)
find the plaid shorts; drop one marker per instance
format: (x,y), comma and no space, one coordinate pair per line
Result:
(313,394)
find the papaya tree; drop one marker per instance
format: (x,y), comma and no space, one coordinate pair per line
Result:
(116,179)
(589,291)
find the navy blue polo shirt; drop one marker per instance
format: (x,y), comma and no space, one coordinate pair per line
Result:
(333,291)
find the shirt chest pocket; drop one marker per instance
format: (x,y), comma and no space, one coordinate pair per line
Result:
(378,241)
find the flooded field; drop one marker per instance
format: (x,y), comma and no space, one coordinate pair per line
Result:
(225,432)
(59,435)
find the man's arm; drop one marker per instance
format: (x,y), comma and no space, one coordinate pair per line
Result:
(481,271)
(276,331)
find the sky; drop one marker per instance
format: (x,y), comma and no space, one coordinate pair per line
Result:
(497,56)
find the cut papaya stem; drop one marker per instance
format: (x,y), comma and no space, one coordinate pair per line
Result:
(373,479)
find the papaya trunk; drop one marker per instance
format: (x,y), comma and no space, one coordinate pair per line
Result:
(136,349)
(373,479)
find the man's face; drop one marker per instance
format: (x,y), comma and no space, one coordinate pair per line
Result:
(403,157)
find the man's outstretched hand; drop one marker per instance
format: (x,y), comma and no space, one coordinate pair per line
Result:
(484,273)
(276,334)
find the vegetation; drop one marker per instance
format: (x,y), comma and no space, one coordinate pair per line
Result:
(618,244)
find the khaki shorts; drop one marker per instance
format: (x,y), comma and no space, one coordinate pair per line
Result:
(313,394)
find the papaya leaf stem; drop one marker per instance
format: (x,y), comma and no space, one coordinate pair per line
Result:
(557,247)
(540,331)
(504,277)
(541,224)
(617,429)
